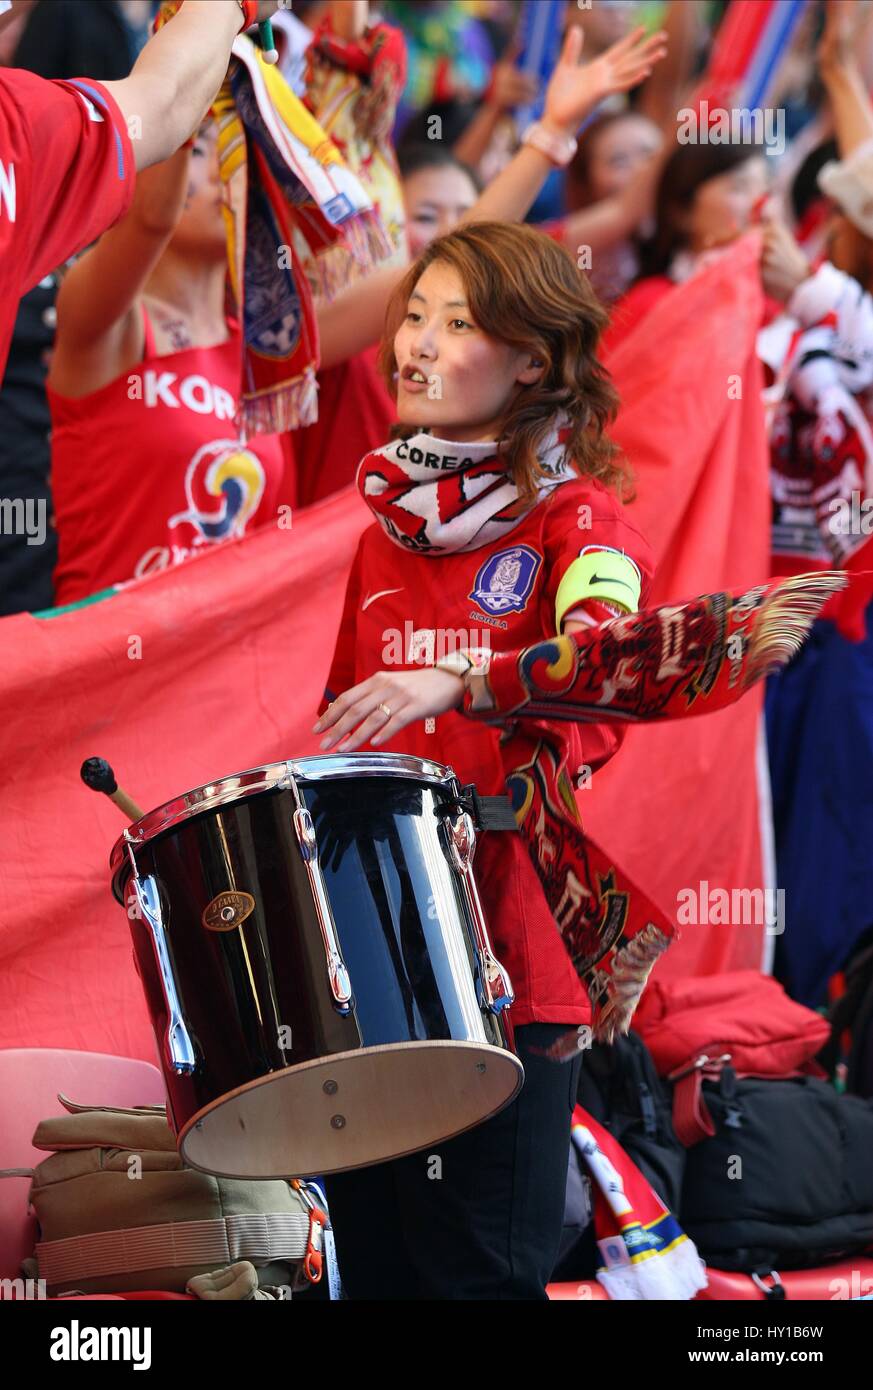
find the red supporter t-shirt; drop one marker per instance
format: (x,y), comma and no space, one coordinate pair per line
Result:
(148,470)
(397,608)
(66,174)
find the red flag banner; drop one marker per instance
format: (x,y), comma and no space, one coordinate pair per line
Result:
(679,807)
(179,679)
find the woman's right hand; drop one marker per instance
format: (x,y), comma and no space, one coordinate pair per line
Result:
(835,48)
(509,86)
(783,265)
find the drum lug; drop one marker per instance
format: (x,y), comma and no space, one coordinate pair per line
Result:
(180,1048)
(494,986)
(337,974)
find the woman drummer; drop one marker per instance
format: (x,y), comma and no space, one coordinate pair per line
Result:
(498,514)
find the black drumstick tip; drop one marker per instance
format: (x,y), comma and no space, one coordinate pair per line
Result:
(98,775)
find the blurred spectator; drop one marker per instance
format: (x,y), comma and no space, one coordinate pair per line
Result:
(438,190)
(293,31)
(88,38)
(449,52)
(708,195)
(147,468)
(610,167)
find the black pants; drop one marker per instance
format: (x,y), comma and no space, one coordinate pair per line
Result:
(479,1216)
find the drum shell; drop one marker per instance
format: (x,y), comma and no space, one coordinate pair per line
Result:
(255,998)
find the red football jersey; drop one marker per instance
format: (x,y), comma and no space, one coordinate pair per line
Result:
(405,610)
(66,174)
(148,470)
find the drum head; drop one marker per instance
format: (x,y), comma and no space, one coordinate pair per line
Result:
(351,1110)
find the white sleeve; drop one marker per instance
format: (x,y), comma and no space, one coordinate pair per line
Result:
(850,340)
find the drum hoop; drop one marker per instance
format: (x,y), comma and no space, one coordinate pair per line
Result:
(273,777)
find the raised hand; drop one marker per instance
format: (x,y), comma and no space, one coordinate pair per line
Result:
(510,87)
(574,90)
(783,265)
(835,47)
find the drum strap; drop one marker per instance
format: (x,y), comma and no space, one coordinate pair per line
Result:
(488,812)
(261,1238)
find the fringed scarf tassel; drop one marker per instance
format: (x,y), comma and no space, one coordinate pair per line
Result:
(663,663)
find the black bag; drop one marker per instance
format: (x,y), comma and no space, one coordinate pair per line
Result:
(786,1181)
(619,1087)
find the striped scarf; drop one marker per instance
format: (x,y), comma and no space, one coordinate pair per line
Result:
(298,223)
(433,497)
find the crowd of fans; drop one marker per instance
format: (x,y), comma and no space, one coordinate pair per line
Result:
(423,100)
(120,401)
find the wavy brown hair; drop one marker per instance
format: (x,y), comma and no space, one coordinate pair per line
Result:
(524,289)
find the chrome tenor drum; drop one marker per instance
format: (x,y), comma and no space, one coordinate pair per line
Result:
(316,965)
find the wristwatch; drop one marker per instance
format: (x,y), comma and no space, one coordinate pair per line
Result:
(458,662)
(471,664)
(560,149)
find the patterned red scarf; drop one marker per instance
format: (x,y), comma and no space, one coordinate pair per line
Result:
(431,497)
(663,663)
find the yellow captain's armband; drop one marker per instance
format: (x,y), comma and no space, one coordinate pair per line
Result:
(602,574)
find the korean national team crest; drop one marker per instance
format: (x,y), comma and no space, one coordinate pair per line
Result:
(504,583)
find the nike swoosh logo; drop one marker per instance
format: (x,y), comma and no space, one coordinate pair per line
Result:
(599,579)
(371,598)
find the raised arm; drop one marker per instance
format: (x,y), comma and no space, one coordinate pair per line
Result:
(99,325)
(17,9)
(662,93)
(573,92)
(509,88)
(177,74)
(355,318)
(668,662)
(850,103)
(353,321)
(349,18)
(612,219)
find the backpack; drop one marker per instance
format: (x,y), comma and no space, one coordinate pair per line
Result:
(619,1087)
(785,1180)
(695,1027)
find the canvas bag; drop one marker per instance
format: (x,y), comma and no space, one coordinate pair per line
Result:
(118,1210)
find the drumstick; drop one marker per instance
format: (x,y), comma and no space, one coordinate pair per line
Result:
(98,775)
